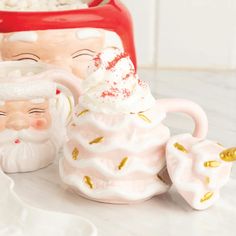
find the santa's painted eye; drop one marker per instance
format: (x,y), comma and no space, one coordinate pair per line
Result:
(26,57)
(2,114)
(83,52)
(36,111)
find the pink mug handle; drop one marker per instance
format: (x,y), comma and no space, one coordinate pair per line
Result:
(190,108)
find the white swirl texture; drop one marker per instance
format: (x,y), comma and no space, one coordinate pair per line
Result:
(113,86)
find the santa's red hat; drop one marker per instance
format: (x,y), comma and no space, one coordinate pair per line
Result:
(112,16)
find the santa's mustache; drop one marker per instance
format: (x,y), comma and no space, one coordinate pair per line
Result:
(25,135)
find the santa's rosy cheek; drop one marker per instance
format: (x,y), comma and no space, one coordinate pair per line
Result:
(40,124)
(2,126)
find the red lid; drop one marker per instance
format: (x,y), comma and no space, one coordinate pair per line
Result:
(112,16)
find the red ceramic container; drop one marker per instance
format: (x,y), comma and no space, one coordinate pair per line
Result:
(112,16)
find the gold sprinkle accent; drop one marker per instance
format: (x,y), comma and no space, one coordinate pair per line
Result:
(212,164)
(207,180)
(97,140)
(207,197)
(220,144)
(123,163)
(180,147)
(228,155)
(83,113)
(145,118)
(73,125)
(71,107)
(88,181)
(75,154)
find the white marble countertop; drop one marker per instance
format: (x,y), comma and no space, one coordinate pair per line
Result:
(167,214)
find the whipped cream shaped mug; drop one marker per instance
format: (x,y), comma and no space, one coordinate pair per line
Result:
(116,147)
(35,108)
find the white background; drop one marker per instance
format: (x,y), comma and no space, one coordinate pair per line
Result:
(185,34)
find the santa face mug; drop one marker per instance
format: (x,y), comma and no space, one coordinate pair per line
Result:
(116,147)
(61,37)
(35,107)
(34,112)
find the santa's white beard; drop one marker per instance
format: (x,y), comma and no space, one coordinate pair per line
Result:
(26,157)
(35,150)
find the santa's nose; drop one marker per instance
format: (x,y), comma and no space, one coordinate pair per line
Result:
(60,62)
(17,122)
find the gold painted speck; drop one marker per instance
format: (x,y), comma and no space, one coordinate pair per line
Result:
(220,144)
(123,163)
(71,106)
(97,140)
(207,197)
(207,179)
(228,155)
(144,117)
(88,181)
(75,154)
(212,164)
(180,147)
(83,113)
